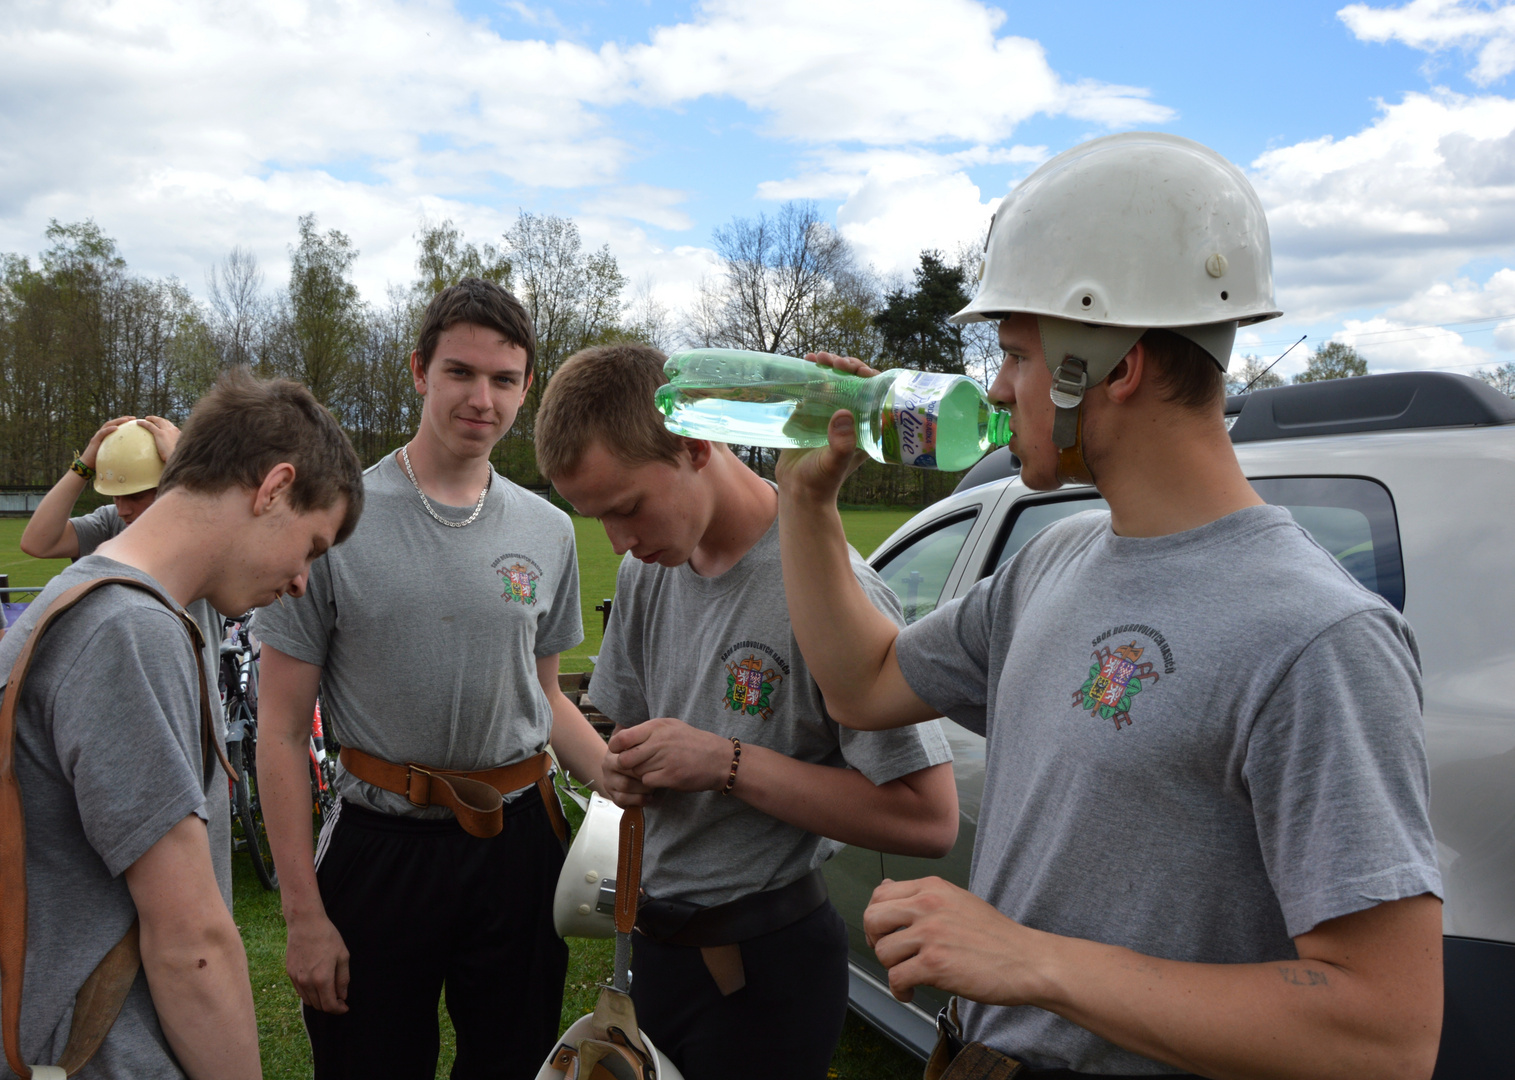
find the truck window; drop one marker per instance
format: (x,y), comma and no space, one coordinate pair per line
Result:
(1350,516)
(917,568)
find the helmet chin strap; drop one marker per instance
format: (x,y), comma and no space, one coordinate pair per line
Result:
(1079,356)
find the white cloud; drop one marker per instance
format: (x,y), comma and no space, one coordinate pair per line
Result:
(880,72)
(184,127)
(1434,25)
(1369,219)
(1457,324)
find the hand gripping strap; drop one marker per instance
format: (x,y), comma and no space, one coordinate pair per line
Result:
(100,998)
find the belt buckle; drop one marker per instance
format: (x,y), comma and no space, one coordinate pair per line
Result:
(419,793)
(947,1028)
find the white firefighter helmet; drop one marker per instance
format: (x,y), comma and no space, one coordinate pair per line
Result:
(584,904)
(1141,230)
(127,461)
(594,1046)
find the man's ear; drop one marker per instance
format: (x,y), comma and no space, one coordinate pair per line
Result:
(275,486)
(1128,375)
(418,372)
(700,451)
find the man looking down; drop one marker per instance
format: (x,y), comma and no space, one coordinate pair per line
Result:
(115,780)
(739,960)
(1203,843)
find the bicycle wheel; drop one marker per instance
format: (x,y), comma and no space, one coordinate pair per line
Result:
(243,757)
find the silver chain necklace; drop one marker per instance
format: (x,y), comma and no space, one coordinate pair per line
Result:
(405,457)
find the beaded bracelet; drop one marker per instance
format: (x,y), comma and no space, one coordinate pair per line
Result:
(736,759)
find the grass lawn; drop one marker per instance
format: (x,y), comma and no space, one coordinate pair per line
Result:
(863,1053)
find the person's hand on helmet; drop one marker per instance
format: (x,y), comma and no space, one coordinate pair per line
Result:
(821,471)
(91,451)
(165,435)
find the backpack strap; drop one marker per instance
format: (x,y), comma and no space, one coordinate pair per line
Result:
(100,999)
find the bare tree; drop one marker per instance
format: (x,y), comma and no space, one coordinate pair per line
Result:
(238,306)
(648,319)
(776,270)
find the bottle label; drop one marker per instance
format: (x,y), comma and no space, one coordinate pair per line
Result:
(909,420)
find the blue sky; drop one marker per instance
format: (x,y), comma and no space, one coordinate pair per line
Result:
(1380,137)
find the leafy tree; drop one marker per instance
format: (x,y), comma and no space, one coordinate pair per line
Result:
(914,320)
(1501,378)
(1333,361)
(444,258)
(1254,373)
(324,315)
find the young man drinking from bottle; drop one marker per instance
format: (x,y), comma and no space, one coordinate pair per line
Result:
(433,637)
(739,961)
(1203,847)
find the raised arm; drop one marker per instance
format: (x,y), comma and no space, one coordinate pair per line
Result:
(49,534)
(193,957)
(846,641)
(316,957)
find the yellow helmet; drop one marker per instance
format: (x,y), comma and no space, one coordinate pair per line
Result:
(128,461)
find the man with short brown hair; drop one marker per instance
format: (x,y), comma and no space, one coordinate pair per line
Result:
(739,961)
(111,756)
(433,638)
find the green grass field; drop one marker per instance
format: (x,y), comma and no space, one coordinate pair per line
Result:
(863,1053)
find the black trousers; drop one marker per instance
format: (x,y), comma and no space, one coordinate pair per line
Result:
(785,1022)
(423,906)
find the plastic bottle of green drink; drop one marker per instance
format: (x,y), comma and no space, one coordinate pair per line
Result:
(903,417)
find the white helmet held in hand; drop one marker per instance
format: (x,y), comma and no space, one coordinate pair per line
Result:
(584,904)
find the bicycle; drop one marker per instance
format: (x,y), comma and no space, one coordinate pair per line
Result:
(239,675)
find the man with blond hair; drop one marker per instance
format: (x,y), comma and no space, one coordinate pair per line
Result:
(739,960)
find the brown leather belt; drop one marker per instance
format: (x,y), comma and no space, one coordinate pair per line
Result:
(474,797)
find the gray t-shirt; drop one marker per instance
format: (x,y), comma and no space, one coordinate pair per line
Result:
(93,529)
(108,757)
(1199,746)
(719,654)
(428,636)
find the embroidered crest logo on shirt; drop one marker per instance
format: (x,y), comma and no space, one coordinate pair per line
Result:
(519,575)
(1115,678)
(749,686)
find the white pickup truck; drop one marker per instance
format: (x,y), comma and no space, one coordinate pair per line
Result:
(1409,480)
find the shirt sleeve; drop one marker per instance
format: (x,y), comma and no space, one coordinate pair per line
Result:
(883,756)
(1336,768)
(616,687)
(96,527)
(945,655)
(301,626)
(562,627)
(126,728)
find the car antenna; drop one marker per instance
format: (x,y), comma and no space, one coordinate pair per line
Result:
(1269,368)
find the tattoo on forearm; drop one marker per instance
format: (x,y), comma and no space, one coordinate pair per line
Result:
(1303,977)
